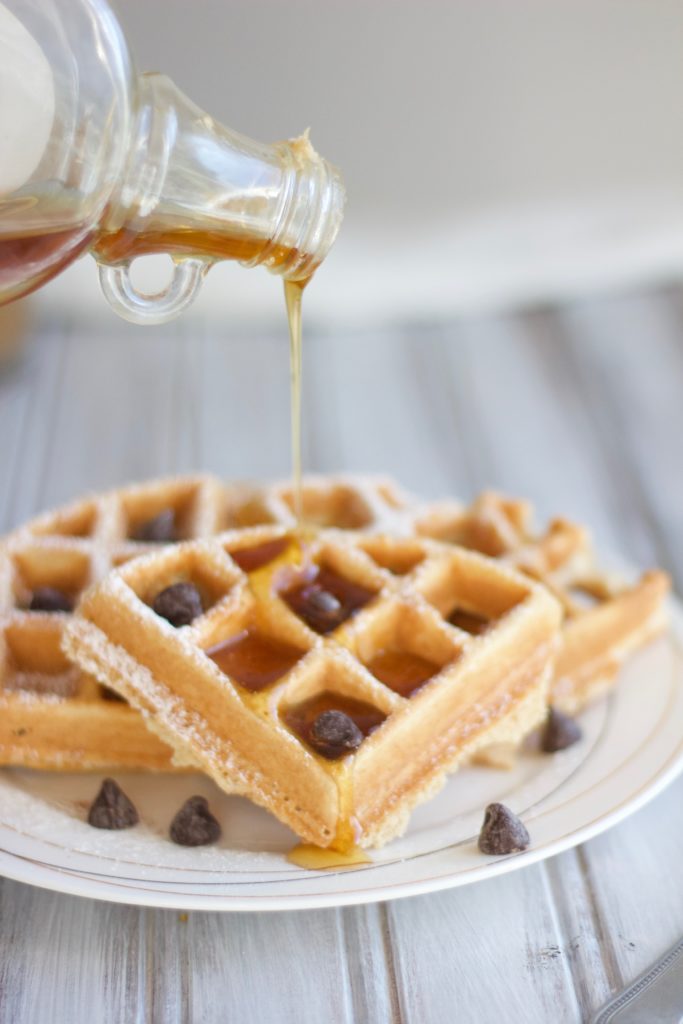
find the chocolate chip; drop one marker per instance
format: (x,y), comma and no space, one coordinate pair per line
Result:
(50,599)
(180,604)
(194,824)
(159,530)
(111,808)
(334,734)
(319,609)
(502,832)
(560,731)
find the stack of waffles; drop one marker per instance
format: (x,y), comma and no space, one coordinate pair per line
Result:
(435,629)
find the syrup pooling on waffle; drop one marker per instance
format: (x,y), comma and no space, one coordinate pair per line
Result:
(297,625)
(52,714)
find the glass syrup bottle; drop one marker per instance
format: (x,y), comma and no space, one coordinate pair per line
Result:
(98,159)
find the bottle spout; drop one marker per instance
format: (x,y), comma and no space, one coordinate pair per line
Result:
(311,212)
(202,193)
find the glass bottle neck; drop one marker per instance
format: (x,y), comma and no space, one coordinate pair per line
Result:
(195,189)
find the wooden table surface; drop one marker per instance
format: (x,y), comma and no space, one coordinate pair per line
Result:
(581,409)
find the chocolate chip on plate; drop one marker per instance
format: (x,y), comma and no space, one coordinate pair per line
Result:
(180,604)
(50,599)
(194,824)
(560,731)
(111,808)
(334,734)
(502,832)
(158,530)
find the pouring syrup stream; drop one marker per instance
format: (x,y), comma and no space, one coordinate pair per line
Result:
(293,294)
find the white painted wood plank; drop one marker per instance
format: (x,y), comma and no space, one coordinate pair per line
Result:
(32,393)
(26,390)
(243,414)
(369,964)
(524,418)
(483,954)
(378,403)
(283,967)
(15,390)
(584,943)
(115,414)
(184,438)
(66,959)
(629,357)
(634,878)
(629,353)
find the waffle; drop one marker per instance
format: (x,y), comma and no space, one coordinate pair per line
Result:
(52,715)
(605,618)
(397,655)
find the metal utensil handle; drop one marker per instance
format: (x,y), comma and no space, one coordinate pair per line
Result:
(655,997)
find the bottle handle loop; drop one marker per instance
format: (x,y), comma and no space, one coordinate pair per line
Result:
(139,308)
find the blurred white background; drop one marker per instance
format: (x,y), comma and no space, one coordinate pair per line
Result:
(495,153)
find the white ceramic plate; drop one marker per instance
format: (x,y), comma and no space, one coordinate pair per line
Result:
(632,748)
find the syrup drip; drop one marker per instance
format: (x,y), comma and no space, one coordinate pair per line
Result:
(317,858)
(402,671)
(342,851)
(293,292)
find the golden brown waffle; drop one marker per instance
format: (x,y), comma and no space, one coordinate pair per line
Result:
(428,692)
(605,618)
(51,714)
